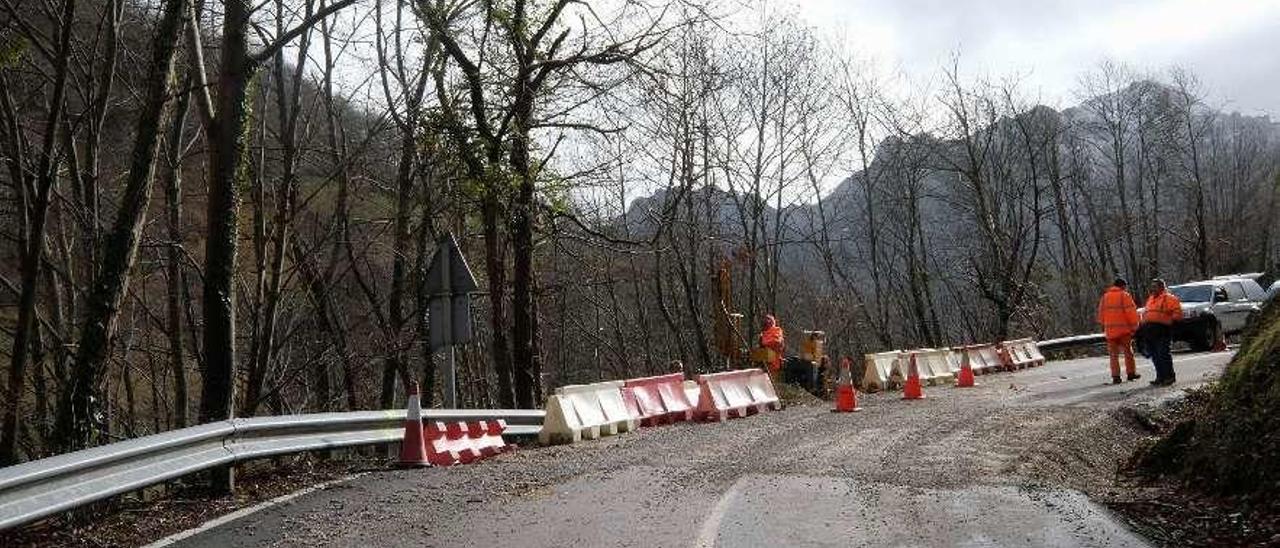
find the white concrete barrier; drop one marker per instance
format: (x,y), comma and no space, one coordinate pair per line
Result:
(991,357)
(605,405)
(955,358)
(737,393)
(563,425)
(932,365)
(879,371)
(586,411)
(762,392)
(983,358)
(1033,350)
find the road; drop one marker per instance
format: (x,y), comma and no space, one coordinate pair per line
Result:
(1004,464)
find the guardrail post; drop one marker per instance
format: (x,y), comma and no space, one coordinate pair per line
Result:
(222,480)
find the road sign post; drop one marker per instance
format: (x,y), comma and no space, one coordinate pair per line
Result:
(450,284)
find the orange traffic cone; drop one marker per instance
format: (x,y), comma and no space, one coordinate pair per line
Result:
(912,390)
(964,379)
(413,449)
(846,394)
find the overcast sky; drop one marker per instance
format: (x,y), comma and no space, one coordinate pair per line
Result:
(1233,45)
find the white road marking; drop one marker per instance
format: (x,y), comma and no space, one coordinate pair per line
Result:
(711,527)
(174,538)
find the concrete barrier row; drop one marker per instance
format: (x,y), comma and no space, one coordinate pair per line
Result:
(589,411)
(578,412)
(888,370)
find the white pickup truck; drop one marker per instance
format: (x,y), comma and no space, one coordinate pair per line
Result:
(1222,305)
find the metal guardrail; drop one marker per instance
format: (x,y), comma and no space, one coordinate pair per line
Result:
(38,489)
(1072,342)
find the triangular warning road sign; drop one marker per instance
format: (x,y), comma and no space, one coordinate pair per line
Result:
(460,280)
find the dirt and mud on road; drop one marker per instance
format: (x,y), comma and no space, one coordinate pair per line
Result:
(1023,459)
(1174,511)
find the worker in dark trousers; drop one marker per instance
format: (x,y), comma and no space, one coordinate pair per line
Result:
(1162,310)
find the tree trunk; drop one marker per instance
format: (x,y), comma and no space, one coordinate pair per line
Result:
(496,269)
(226,140)
(394,363)
(522,327)
(288,106)
(176,286)
(122,244)
(31,240)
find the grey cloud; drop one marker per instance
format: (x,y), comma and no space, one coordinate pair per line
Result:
(1241,70)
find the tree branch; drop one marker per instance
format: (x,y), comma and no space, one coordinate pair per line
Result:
(270,49)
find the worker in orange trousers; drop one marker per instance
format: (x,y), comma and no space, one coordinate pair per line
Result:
(1118,315)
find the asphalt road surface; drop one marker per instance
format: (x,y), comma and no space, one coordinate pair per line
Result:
(1004,464)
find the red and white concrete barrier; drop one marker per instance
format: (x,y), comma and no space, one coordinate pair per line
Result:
(450,443)
(1017,354)
(660,399)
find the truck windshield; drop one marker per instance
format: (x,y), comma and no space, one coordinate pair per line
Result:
(1193,293)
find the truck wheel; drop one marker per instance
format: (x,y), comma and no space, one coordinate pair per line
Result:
(1204,339)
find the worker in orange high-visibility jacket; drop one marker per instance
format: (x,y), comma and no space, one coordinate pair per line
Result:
(771,337)
(1162,310)
(1118,315)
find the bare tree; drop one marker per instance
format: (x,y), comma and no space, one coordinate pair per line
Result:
(535,49)
(225,120)
(112,279)
(35,184)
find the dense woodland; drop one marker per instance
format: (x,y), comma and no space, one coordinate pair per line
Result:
(216,208)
